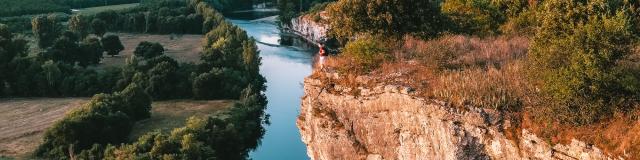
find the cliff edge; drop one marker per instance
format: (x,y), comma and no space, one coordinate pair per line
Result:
(389,122)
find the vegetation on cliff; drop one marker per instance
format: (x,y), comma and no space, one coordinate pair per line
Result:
(558,63)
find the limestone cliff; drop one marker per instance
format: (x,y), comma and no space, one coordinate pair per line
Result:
(390,122)
(310,28)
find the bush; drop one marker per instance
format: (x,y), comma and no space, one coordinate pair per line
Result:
(575,55)
(148,50)
(367,53)
(478,17)
(389,18)
(112,45)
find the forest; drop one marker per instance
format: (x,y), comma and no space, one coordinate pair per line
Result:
(65,66)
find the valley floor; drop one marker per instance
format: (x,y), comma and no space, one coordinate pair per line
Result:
(24,120)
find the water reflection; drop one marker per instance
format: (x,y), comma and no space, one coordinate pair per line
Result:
(286,60)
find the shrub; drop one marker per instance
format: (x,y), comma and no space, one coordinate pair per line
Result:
(479,17)
(148,50)
(367,53)
(389,18)
(112,45)
(575,55)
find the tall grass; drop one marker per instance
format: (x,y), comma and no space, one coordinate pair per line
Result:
(472,71)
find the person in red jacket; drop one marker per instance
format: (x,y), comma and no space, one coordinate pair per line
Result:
(322,52)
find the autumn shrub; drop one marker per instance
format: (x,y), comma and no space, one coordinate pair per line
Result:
(367,53)
(455,52)
(574,58)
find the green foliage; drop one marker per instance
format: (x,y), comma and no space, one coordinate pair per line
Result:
(112,44)
(79,25)
(367,53)
(389,18)
(164,17)
(230,135)
(46,30)
(479,17)
(22,7)
(575,54)
(107,119)
(10,48)
(148,50)
(91,51)
(99,27)
(290,9)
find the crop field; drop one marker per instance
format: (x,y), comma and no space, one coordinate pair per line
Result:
(95,10)
(183,48)
(24,120)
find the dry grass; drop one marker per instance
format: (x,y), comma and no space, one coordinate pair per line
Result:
(23,121)
(183,48)
(618,135)
(491,73)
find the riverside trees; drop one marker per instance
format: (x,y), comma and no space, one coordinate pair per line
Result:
(151,75)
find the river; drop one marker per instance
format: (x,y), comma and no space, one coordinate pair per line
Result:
(286,61)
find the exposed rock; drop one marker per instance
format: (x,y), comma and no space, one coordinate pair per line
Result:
(306,27)
(389,123)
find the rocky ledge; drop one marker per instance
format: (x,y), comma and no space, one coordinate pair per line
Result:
(390,122)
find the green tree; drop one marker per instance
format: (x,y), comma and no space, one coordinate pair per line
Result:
(10,48)
(99,27)
(389,18)
(163,81)
(79,25)
(148,50)
(137,103)
(112,44)
(53,75)
(575,55)
(91,51)
(480,17)
(45,29)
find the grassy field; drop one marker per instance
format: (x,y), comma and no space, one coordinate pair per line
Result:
(183,48)
(167,115)
(95,10)
(23,121)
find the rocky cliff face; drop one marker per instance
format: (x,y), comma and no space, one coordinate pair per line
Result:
(307,27)
(389,122)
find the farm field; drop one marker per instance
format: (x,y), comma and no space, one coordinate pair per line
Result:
(183,48)
(96,10)
(24,120)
